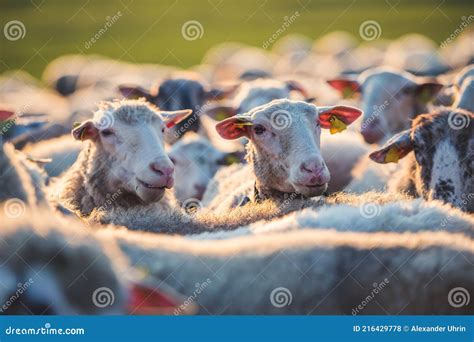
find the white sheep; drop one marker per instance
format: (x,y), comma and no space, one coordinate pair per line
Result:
(123,174)
(390,99)
(283,151)
(309,271)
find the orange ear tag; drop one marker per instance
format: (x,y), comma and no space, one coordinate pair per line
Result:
(336,125)
(392,155)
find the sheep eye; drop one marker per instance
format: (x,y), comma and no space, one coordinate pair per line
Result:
(163,130)
(259,129)
(107,133)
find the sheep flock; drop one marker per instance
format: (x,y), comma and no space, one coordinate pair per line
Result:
(325,177)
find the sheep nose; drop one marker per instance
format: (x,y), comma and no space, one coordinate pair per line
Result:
(314,171)
(161,169)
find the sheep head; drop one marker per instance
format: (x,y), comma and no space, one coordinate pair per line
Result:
(129,138)
(443,145)
(285,142)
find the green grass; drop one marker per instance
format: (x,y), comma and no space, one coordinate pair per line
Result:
(150,30)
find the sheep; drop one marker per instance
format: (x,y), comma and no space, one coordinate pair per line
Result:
(390,99)
(20,178)
(283,150)
(62,153)
(181,92)
(369,212)
(255,93)
(196,161)
(464,89)
(123,173)
(58,267)
(308,271)
(442,164)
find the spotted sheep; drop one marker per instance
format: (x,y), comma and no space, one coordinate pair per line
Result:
(442,163)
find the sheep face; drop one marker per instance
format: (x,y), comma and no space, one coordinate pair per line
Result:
(443,145)
(285,143)
(390,99)
(196,161)
(129,136)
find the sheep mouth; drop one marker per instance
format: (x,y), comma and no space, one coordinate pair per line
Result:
(312,186)
(151,186)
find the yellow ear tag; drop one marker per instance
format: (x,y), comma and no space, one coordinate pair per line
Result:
(242,124)
(392,155)
(221,116)
(425,96)
(336,125)
(347,93)
(231,159)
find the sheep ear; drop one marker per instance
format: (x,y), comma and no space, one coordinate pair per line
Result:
(337,118)
(234,127)
(84,131)
(425,92)
(172,118)
(135,92)
(396,148)
(6,115)
(221,111)
(347,88)
(144,300)
(296,86)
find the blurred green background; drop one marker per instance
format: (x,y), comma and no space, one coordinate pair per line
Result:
(150,30)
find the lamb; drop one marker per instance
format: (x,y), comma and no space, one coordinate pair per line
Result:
(182,92)
(196,161)
(123,173)
(283,150)
(263,274)
(21,180)
(442,164)
(390,99)
(51,267)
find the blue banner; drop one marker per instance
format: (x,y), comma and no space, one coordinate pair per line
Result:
(237,328)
